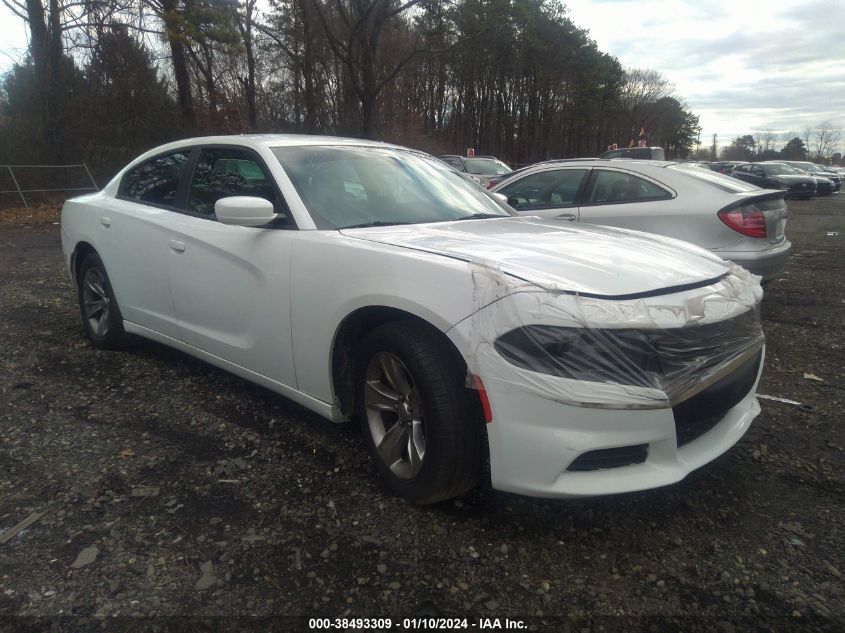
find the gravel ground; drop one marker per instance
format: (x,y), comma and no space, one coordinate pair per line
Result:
(170,488)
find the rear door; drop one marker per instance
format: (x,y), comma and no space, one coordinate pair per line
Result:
(231,284)
(135,252)
(551,193)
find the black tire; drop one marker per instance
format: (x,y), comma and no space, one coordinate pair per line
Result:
(101,317)
(451,420)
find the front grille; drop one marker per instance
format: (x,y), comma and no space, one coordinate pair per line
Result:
(697,415)
(610,458)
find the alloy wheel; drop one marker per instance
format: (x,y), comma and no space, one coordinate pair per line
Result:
(95,301)
(395,415)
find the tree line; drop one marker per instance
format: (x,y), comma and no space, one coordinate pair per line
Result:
(105,79)
(819,143)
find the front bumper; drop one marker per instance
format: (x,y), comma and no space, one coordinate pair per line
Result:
(768,264)
(604,411)
(534,441)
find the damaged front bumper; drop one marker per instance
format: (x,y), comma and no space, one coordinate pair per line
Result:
(594,396)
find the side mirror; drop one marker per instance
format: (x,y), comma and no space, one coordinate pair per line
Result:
(244,211)
(501,198)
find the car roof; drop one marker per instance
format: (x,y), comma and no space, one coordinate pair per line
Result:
(607,161)
(275,140)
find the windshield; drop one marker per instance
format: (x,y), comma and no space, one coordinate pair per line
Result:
(486,166)
(345,187)
(811,168)
(779,170)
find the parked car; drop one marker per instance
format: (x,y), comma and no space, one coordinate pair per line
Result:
(797,184)
(817,171)
(641,153)
(734,220)
(366,280)
(726,167)
(478,168)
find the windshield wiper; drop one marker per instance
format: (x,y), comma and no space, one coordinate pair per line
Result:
(481,216)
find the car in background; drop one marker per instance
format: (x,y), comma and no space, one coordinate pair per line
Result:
(733,219)
(817,171)
(477,168)
(726,167)
(639,153)
(365,280)
(768,175)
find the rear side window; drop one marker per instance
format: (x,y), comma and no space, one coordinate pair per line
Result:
(545,189)
(225,172)
(722,181)
(457,163)
(156,181)
(609,187)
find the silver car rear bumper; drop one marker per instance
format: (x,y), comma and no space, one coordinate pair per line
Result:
(769,264)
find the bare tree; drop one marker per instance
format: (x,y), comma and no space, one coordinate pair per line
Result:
(354,31)
(765,140)
(641,90)
(825,140)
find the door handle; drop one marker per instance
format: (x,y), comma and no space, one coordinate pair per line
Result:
(569,217)
(177,246)
(105,221)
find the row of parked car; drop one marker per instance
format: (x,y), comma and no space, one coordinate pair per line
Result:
(739,217)
(800,179)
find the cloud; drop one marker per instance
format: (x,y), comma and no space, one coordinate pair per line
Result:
(741,66)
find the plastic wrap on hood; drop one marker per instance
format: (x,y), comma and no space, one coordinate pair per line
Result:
(641,352)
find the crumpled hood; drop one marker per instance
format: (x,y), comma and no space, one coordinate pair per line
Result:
(594,260)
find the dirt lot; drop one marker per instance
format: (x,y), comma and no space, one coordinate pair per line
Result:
(172,488)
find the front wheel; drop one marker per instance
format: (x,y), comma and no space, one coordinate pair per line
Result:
(101,316)
(420,422)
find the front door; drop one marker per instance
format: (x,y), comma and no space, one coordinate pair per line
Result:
(231,284)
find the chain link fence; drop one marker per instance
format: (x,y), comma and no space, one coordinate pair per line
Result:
(39,180)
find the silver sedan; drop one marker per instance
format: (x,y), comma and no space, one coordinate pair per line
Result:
(731,218)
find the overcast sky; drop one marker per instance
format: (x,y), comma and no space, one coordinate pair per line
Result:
(741,65)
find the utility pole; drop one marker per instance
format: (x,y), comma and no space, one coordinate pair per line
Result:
(713,149)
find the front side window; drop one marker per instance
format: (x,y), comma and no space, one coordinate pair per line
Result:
(156,181)
(345,187)
(224,172)
(545,189)
(608,187)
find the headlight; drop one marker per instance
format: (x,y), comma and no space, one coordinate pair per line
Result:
(598,355)
(674,360)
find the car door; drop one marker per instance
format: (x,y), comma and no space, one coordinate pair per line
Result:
(231,284)
(136,227)
(743,172)
(617,197)
(550,193)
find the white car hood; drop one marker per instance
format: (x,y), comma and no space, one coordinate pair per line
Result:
(592,260)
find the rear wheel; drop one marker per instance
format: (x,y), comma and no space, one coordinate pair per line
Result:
(419,420)
(101,316)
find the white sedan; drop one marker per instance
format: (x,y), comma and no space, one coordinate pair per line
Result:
(370,281)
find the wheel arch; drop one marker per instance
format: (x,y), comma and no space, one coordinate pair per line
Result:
(80,252)
(346,342)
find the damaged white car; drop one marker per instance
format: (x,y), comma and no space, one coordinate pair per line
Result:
(369,281)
